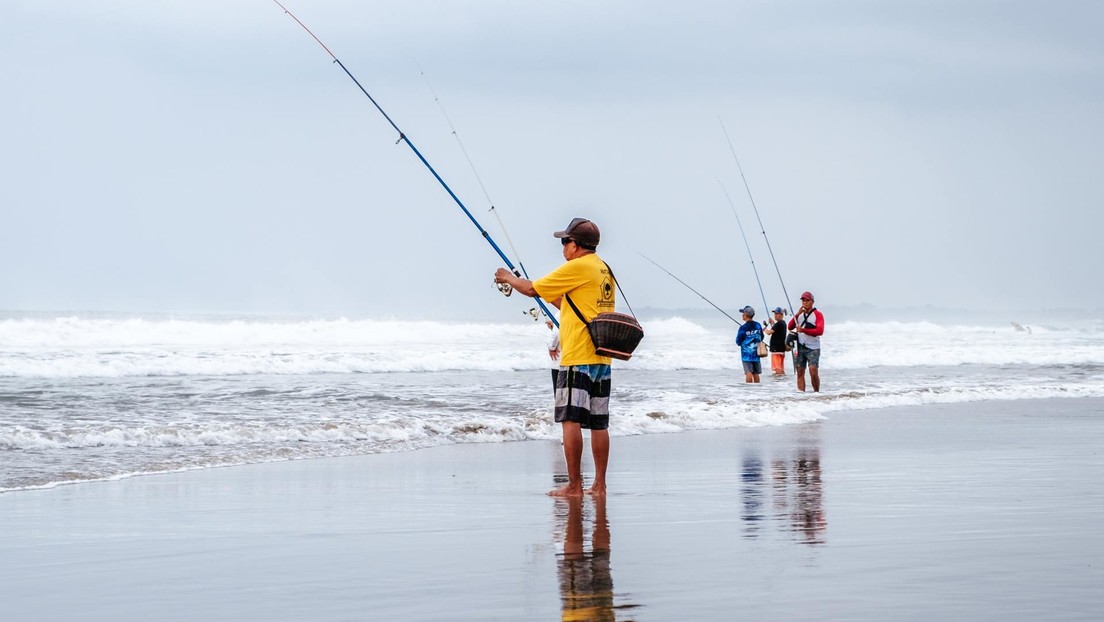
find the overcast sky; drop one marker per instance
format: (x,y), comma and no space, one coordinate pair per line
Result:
(207,155)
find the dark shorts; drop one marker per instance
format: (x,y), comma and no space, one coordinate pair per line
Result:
(807,357)
(582,396)
(555,379)
(753,367)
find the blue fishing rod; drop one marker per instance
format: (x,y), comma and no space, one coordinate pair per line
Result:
(507,290)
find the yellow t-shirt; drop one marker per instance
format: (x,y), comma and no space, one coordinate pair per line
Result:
(592,290)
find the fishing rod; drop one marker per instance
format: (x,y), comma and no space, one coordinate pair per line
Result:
(746,245)
(761,228)
(689,288)
(471,164)
(403,138)
(487,195)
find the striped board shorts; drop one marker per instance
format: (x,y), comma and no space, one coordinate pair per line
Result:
(582,396)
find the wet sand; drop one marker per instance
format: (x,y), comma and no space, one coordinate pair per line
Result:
(983,511)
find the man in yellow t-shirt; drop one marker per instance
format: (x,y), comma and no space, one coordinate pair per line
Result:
(583,386)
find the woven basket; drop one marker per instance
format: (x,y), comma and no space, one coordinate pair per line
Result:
(615,335)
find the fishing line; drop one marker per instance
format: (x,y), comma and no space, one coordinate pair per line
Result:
(689,288)
(404,139)
(746,245)
(761,228)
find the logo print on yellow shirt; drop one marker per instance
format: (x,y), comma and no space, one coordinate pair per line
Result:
(607,293)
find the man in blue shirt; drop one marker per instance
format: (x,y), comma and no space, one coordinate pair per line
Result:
(748,338)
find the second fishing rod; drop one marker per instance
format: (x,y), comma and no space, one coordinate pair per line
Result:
(533,312)
(405,139)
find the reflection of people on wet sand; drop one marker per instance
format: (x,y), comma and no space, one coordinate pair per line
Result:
(796,493)
(808,508)
(752,494)
(586,587)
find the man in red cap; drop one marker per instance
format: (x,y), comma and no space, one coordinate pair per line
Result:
(583,385)
(808,323)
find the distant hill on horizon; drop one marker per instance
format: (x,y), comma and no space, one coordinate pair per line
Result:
(869,313)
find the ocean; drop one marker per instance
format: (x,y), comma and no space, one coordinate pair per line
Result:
(87,397)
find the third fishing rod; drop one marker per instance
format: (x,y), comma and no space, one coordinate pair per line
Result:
(762,229)
(403,138)
(690,288)
(746,245)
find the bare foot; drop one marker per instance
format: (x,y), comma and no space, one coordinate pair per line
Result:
(571,490)
(597,490)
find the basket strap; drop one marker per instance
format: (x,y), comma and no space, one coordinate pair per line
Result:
(576,309)
(618,284)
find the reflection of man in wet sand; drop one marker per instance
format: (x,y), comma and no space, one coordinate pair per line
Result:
(586,587)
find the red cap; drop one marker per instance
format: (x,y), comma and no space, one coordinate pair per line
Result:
(807,296)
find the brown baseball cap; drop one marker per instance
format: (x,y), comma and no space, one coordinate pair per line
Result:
(584,232)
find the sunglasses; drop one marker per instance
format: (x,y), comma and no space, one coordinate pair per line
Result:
(565,241)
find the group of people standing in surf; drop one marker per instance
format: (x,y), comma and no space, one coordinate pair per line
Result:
(801,336)
(582,378)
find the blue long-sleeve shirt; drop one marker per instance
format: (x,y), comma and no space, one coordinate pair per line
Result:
(748,337)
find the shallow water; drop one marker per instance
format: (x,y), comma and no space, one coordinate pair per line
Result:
(100,398)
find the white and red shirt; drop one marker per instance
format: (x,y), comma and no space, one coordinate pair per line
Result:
(813,323)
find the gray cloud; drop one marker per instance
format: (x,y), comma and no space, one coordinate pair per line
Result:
(208,156)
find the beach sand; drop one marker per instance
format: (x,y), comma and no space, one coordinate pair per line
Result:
(979,511)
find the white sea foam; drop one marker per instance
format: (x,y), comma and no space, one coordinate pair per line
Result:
(75,347)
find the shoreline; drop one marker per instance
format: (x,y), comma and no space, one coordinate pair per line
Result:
(791,399)
(962,511)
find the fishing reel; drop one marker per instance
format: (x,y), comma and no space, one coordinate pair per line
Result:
(506,288)
(533,313)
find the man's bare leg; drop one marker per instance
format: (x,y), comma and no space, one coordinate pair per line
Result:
(800,373)
(814,376)
(573,454)
(599,448)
